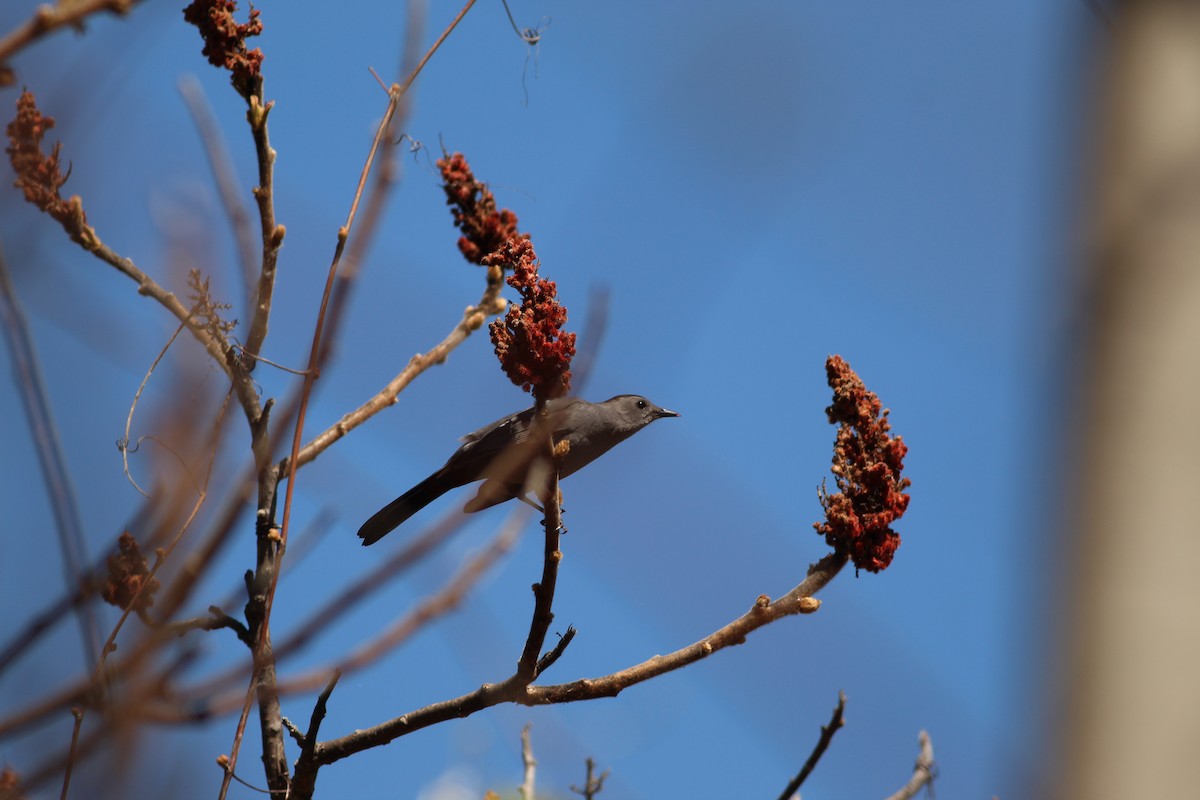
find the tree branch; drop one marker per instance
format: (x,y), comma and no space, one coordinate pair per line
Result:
(922,771)
(827,732)
(798,601)
(490,304)
(47,19)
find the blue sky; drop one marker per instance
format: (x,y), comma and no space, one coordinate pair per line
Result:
(756,186)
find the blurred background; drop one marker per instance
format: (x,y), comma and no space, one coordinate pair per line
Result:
(754,186)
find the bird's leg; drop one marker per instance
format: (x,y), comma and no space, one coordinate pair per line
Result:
(541,510)
(526,500)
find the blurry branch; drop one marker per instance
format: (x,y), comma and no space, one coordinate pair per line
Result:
(445,600)
(798,601)
(226,180)
(922,771)
(827,732)
(590,337)
(140,598)
(528,765)
(48,18)
(175,594)
(593,784)
(345,601)
(67,522)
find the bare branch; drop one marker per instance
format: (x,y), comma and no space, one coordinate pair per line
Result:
(922,772)
(47,19)
(543,590)
(63,502)
(827,732)
(593,784)
(72,751)
(528,763)
(490,304)
(216,620)
(305,779)
(798,601)
(272,232)
(545,662)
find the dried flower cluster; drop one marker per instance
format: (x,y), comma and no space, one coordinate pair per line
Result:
(39,175)
(126,573)
(225,41)
(867,462)
(206,311)
(533,349)
(484,228)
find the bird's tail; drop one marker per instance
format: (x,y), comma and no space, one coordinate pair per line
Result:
(394,513)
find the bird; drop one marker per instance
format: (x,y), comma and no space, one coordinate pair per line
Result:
(498,454)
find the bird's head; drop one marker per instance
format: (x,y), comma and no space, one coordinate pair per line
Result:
(635,412)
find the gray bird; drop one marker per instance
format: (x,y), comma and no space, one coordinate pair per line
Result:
(489,454)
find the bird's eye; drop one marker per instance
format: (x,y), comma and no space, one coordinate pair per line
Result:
(641,403)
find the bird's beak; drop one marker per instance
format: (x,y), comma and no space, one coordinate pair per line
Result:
(666,412)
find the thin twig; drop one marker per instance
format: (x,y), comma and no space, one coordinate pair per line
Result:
(593,784)
(528,764)
(433,48)
(306,771)
(545,662)
(49,18)
(124,443)
(63,502)
(77,713)
(318,715)
(923,771)
(827,732)
(473,318)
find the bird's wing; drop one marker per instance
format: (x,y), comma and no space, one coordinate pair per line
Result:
(482,447)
